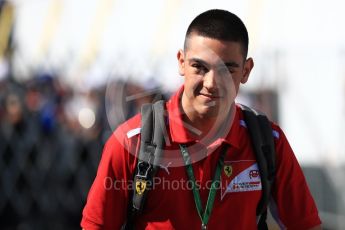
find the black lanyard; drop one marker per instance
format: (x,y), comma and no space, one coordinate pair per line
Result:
(204,215)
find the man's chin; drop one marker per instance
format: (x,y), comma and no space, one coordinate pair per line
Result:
(212,111)
(209,111)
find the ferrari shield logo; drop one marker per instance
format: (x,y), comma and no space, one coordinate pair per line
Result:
(227,170)
(140,186)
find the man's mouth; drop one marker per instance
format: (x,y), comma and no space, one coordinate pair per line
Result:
(210,96)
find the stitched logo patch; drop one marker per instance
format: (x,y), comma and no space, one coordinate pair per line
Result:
(140,186)
(228,170)
(247,178)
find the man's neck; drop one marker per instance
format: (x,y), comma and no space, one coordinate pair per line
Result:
(209,128)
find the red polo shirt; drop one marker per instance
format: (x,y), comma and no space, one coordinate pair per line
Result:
(170,205)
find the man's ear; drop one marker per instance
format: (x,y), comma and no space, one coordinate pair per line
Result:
(181,62)
(248,66)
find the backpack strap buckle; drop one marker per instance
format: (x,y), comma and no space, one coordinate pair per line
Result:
(143,169)
(144,166)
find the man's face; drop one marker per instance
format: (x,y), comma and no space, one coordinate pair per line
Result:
(213,70)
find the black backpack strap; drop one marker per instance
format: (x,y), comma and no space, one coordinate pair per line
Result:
(151,148)
(260,131)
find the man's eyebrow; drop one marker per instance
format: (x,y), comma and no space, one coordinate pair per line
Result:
(227,64)
(198,60)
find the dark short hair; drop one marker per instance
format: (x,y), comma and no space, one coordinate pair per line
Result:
(221,25)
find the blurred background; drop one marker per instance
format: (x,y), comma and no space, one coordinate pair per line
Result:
(72,70)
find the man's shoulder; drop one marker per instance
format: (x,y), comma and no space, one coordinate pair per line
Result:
(126,130)
(276,130)
(130,124)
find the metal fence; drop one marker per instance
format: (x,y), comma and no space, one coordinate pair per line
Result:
(44,177)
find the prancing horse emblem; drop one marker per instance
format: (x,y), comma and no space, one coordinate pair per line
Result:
(140,186)
(227,170)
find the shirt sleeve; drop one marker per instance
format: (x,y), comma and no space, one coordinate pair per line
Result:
(106,206)
(292,205)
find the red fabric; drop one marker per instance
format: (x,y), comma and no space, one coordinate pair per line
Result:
(171,205)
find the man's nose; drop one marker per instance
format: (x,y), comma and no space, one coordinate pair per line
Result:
(210,80)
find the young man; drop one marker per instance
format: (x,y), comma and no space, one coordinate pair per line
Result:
(202,119)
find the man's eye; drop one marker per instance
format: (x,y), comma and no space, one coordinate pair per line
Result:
(225,71)
(199,68)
